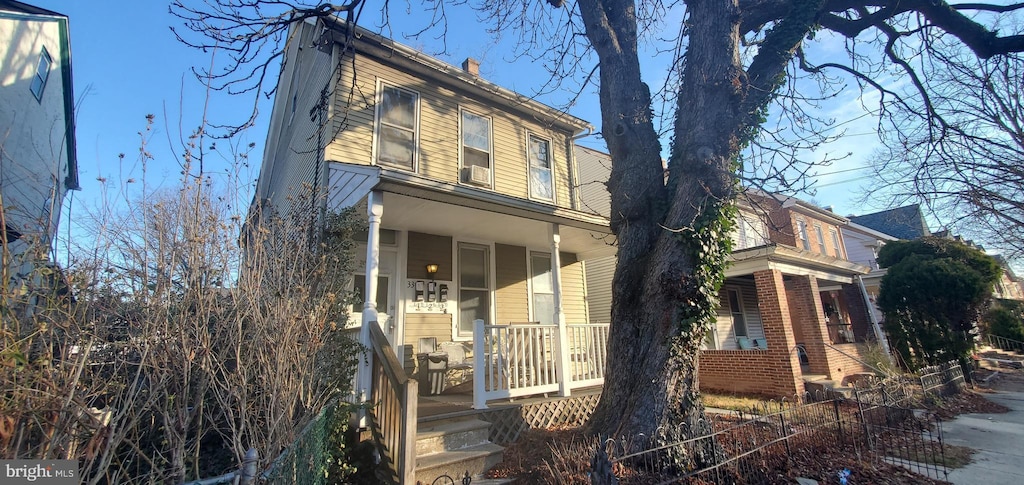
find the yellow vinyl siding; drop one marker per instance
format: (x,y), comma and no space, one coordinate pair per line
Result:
(511,297)
(438,154)
(574,302)
(429,249)
(421,325)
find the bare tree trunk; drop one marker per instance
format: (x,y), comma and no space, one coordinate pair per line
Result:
(665,289)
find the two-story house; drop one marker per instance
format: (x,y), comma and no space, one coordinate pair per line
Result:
(470,194)
(791,310)
(37,133)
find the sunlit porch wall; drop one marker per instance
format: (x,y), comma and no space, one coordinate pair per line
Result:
(511,291)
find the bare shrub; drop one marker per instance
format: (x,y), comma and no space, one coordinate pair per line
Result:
(166,349)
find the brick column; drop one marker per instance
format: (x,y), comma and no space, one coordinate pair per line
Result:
(784,364)
(809,314)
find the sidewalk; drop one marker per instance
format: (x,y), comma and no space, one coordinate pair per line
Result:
(996,437)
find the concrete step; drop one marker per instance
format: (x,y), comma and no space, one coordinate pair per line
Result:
(455,464)
(814,377)
(448,435)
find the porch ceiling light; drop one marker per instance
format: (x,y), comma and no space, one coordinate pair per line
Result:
(431,270)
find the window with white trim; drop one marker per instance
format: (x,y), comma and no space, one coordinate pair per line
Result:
(42,74)
(397,123)
(739,320)
(821,239)
(474,286)
(476,149)
(835,243)
(541,180)
(542,286)
(802,235)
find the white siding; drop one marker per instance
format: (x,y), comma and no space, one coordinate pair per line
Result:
(725,333)
(33,133)
(293,162)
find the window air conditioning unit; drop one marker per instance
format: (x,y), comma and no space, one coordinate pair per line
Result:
(478,175)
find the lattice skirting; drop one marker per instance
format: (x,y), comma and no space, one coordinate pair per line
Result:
(509,422)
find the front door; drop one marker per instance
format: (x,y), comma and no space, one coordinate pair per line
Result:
(386,280)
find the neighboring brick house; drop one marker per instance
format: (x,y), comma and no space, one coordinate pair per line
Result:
(789,310)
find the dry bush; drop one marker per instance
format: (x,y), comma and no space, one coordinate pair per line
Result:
(165,349)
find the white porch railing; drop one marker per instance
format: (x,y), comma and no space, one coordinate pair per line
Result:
(522,359)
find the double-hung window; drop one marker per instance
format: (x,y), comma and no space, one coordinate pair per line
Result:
(739,321)
(802,234)
(835,243)
(476,149)
(474,286)
(42,74)
(821,239)
(397,123)
(543,287)
(541,183)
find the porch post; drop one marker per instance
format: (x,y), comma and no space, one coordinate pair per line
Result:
(481,369)
(562,365)
(374,210)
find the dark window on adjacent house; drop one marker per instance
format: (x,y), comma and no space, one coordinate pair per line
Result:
(42,74)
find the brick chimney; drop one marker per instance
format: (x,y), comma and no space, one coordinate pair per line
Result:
(471,66)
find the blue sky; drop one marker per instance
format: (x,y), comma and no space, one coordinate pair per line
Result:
(127,64)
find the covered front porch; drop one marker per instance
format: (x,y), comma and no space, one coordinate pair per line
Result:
(787,317)
(475,287)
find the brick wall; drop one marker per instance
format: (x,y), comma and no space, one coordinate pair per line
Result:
(808,315)
(842,365)
(773,372)
(758,372)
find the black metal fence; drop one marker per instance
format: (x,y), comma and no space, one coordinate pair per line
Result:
(759,446)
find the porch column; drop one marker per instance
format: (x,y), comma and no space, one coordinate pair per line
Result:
(562,365)
(374,210)
(784,365)
(809,314)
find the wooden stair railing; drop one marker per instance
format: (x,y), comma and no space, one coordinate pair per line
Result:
(392,409)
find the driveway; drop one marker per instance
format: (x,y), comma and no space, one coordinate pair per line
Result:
(997,438)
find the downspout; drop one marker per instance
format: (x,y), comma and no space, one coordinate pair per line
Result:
(875,325)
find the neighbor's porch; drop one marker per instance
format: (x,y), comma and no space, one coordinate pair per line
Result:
(786,316)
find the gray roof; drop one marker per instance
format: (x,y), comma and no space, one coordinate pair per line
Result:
(903,222)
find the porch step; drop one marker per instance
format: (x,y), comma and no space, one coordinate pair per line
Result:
(821,383)
(1000,358)
(456,463)
(450,435)
(454,446)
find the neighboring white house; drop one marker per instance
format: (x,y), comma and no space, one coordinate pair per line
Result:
(37,130)
(862,245)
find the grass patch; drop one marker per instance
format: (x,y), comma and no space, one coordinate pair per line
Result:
(731,402)
(952,456)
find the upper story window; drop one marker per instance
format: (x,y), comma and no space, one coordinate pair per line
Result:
(541,181)
(42,74)
(835,243)
(476,149)
(397,126)
(821,239)
(801,227)
(751,232)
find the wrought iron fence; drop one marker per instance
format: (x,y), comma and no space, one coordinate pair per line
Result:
(755,447)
